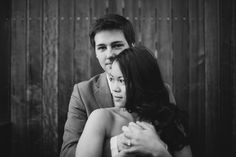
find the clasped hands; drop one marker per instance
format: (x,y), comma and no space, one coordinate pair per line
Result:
(141,138)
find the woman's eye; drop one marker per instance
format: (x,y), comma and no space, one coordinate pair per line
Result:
(122,81)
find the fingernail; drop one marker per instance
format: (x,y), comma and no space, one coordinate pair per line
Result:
(131,123)
(124,128)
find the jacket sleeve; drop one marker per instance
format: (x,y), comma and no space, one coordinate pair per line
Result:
(76,119)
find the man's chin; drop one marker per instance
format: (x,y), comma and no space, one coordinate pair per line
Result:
(108,69)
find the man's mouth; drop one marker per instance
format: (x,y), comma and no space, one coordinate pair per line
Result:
(108,63)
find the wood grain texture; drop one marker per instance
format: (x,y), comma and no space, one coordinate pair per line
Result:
(148,19)
(34,77)
(131,12)
(65,61)
(83,53)
(180,52)
(164,45)
(5,64)
(226,75)
(213,109)
(196,104)
(233,71)
(194,42)
(18,79)
(5,60)
(50,78)
(115,6)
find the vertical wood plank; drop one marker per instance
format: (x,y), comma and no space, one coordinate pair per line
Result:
(5,25)
(5,62)
(18,79)
(181,53)
(131,12)
(164,45)
(50,78)
(197,77)
(213,113)
(233,71)
(226,12)
(82,53)
(148,19)
(115,6)
(65,63)
(34,77)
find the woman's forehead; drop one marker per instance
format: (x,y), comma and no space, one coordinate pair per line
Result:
(115,69)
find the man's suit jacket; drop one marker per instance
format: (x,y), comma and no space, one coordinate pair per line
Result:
(86,97)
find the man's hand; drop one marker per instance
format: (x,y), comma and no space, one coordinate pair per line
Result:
(122,142)
(142,138)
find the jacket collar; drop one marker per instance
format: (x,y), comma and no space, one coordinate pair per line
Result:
(102,92)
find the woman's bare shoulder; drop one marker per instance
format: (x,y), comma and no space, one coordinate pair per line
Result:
(101,114)
(112,114)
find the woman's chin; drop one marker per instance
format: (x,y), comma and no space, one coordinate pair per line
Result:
(119,105)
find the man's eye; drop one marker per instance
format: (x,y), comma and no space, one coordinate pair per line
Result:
(117,46)
(101,48)
(111,79)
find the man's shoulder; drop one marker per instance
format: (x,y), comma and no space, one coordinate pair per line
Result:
(89,83)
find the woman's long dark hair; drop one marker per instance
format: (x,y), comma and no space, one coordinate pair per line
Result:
(148,96)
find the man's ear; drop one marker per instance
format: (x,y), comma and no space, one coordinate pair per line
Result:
(133,44)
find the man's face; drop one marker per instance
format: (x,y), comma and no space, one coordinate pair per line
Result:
(108,44)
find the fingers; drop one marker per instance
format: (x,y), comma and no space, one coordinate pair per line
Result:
(130,150)
(122,142)
(133,125)
(145,125)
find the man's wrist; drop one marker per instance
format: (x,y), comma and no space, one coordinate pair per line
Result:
(162,150)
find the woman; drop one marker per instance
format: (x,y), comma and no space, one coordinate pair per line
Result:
(139,94)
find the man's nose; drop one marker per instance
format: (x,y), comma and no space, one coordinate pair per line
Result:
(110,53)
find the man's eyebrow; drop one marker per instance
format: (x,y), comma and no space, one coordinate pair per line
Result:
(117,42)
(100,45)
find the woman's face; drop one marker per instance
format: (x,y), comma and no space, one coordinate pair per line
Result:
(117,83)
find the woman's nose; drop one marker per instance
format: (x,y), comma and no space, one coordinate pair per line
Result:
(116,87)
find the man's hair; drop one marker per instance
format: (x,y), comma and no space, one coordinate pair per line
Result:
(113,22)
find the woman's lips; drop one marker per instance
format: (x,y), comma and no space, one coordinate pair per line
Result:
(117,98)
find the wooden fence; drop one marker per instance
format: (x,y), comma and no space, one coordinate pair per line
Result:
(193,40)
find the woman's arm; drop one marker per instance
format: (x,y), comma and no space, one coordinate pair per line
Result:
(92,138)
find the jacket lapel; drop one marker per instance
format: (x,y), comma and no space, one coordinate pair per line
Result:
(102,92)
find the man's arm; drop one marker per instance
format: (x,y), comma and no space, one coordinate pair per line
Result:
(76,119)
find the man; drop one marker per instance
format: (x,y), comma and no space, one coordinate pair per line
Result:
(109,36)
